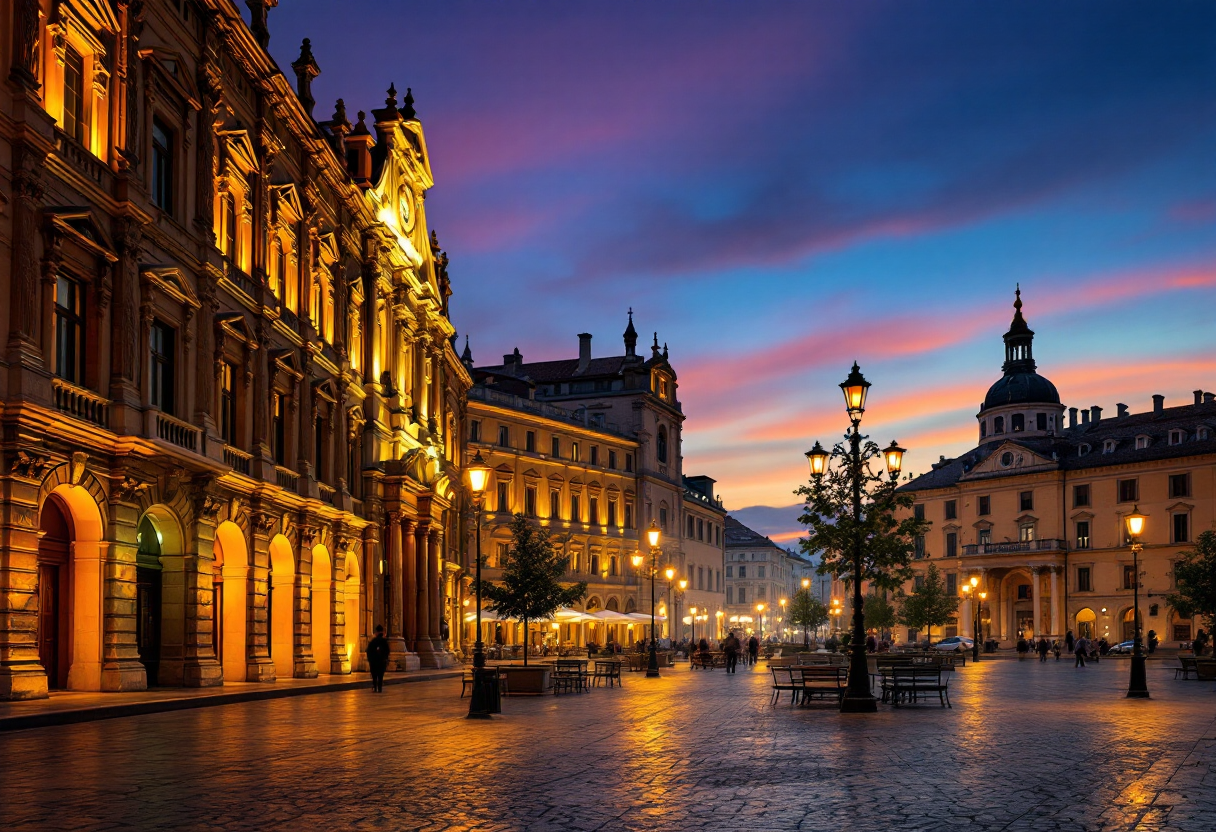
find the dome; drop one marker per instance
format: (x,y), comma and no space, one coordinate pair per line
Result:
(1021,388)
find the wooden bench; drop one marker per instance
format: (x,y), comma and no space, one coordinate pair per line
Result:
(903,685)
(708,661)
(783,680)
(607,671)
(820,681)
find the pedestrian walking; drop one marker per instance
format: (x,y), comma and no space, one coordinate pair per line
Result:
(1044,647)
(1081,651)
(1055,648)
(1069,642)
(753,650)
(731,647)
(377,658)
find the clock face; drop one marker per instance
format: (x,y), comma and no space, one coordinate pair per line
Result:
(405,208)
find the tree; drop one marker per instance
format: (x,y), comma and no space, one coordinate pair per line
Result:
(879,612)
(530,589)
(928,605)
(1195,579)
(808,612)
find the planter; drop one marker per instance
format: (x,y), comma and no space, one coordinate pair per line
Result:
(533,679)
(1205,669)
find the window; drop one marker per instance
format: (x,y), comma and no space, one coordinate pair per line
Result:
(612,512)
(628,462)
(1128,492)
(1108,447)
(919,543)
(595,564)
(951,544)
(69,330)
(530,441)
(1084,579)
(1017,422)
(530,500)
(918,511)
(504,436)
(228,403)
(1083,449)
(663,518)
(700,529)
(1129,576)
(501,551)
(612,460)
(984,506)
(998,424)
(73,96)
(504,496)
(576,510)
(985,537)
(574,560)
(760,592)
(1082,534)
(951,583)
(660,446)
(278,427)
(162,342)
(1181,528)
(1080,496)
(229,236)
(595,455)
(475,431)
(1026,501)
(1180,485)
(690,528)
(1040,420)
(730,571)
(983,429)
(319,433)
(1177,437)
(1142,442)
(951,509)
(701,577)
(574,452)
(742,595)
(1024,592)
(555,504)
(162,166)
(612,565)
(730,594)
(628,515)
(557,447)
(1026,532)
(593,510)
(918,581)
(742,570)
(1203,434)
(759,571)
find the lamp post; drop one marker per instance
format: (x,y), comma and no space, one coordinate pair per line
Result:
(857,697)
(760,612)
(972,586)
(652,537)
(692,611)
(1137,687)
(481,702)
(719,615)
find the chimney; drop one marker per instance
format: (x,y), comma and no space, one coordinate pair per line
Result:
(1198,397)
(513,362)
(1208,398)
(1122,409)
(1084,417)
(306,69)
(1158,403)
(1095,413)
(1072,417)
(584,352)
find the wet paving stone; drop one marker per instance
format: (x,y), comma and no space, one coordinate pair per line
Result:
(1027,746)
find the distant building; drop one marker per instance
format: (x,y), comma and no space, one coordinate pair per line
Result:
(759,576)
(591,448)
(1036,511)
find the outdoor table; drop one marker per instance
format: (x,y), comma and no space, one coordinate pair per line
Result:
(570,674)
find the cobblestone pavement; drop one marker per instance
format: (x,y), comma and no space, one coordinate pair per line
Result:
(1027,746)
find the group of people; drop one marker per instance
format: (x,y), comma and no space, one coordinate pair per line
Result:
(734,647)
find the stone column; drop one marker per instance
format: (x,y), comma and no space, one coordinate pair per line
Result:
(303,664)
(967,616)
(114,571)
(260,665)
(21,673)
(393,541)
(1057,617)
(340,661)
(125,344)
(28,192)
(342,440)
(434,590)
(1035,593)
(409,582)
(423,645)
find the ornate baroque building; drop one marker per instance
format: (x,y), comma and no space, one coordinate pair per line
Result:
(758,571)
(1036,510)
(232,415)
(591,448)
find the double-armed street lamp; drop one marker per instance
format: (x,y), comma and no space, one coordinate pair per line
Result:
(481,702)
(979,598)
(652,537)
(857,697)
(1138,685)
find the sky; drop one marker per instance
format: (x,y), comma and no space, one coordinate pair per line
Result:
(779,189)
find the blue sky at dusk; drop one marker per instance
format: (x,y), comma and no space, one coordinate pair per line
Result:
(781,188)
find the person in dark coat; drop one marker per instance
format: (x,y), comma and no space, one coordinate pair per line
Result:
(753,649)
(731,647)
(1044,647)
(377,658)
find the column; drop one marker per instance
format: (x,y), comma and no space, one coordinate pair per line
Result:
(434,594)
(260,667)
(967,617)
(28,190)
(409,585)
(111,576)
(396,643)
(1057,615)
(1035,585)
(996,623)
(422,608)
(21,672)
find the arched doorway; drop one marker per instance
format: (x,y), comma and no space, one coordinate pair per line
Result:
(1180,630)
(352,620)
(54,594)
(1127,623)
(280,605)
(231,601)
(1086,624)
(322,608)
(148,613)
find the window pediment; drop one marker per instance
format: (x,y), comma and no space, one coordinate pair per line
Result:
(1026,518)
(170,68)
(531,475)
(240,150)
(288,361)
(287,201)
(325,390)
(235,324)
(80,225)
(172,281)
(1082,515)
(1177,507)
(556,480)
(981,524)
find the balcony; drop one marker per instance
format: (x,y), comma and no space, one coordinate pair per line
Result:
(1047,544)
(241,280)
(174,431)
(238,460)
(327,493)
(80,403)
(82,159)
(286,478)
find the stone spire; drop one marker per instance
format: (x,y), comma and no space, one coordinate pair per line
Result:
(258,12)
(1019,355)
(631,338)
(407,112)
(466,357)
(306,69)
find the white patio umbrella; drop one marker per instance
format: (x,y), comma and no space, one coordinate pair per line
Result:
(486,615)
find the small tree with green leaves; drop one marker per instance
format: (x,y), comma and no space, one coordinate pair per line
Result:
(880,613)
(1195,579)
(530,589)
(928,605)
(808,612)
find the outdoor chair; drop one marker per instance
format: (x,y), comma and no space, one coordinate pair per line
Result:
(607,672)
(783,680)
(1188,666)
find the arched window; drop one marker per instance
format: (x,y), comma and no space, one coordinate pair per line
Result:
(998,424)
(660,445)
(1017,422)
(983,429)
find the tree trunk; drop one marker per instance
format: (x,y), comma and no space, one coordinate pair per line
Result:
(525,642)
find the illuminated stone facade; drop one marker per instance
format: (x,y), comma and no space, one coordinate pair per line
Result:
(758,571)
(591,448)
(1036,510)
(232,412)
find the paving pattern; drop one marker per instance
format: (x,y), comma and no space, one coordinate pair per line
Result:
(1027,746)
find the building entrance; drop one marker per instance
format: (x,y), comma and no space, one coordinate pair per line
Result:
(148,599)
(54,598)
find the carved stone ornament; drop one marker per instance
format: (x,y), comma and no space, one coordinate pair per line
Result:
(28,466)
(342,543)
(262,522)
(127,490)
(308,535)
(207,507)
(76,467)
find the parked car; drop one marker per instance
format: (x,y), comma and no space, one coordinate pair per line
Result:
(954,644)
(1122,647)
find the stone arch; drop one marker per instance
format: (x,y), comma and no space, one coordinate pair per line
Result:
(322,608)
(59,480)
(231,580)
(1127,624)
(631,605)
(71,585)
(1085,623)
(351,598)
(613,603)
(280,607)
(160,595)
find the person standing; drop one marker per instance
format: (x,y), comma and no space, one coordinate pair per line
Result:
(731,648)
(1043,648)
(1081,649)
(377,658)
(1070,643)
(753,650)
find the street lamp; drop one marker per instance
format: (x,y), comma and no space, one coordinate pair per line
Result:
(857,698)
(760,611)
(1138,686)
(806,583)
(972,586)
(652,537)
(692,611)
(481,703)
